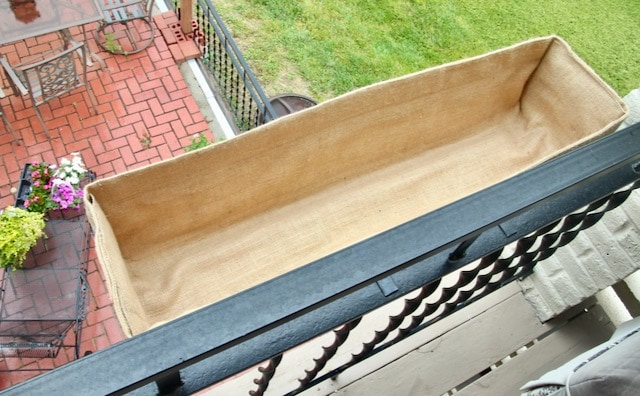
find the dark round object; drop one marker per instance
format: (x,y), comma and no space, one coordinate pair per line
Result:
(288,103)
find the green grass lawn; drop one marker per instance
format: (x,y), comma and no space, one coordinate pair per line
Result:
(324,48)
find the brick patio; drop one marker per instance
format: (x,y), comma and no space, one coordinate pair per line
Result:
(146,113)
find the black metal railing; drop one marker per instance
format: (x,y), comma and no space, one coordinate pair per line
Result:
(244,97)
(483,242)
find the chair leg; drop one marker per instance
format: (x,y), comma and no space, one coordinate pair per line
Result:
(92,98)
(44,126)
(131,38)
(67,38)
(130,28)
(107,36)
(9,126)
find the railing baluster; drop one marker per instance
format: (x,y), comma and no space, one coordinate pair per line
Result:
(235,89)
(447,293)
(410,305)
(268,372)
(341,334)
(227,66)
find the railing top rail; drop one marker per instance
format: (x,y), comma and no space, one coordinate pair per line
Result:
(261,322)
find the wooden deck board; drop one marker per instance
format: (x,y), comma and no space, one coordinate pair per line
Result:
(583,333)
(457,355)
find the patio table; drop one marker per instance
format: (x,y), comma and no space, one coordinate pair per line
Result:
(44,300)
(21,19)
(41,302)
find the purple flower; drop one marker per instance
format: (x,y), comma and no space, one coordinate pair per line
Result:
(65,195)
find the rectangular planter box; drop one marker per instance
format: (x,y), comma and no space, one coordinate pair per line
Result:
(187,232)
(24,186)
(24,189)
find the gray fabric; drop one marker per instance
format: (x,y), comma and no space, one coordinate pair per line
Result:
(611,368)
(615,372)
(633,101)
(550,390)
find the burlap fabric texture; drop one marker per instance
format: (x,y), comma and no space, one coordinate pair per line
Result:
(186,232)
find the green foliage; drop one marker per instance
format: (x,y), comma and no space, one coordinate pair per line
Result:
(335,46)
(19,232)
(56,187)
(41,183)
(198,141)
(110,43)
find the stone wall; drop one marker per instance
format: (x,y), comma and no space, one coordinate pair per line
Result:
(598,258)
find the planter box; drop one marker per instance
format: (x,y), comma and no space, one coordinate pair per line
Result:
(24,189)
(187,232)
(24,186)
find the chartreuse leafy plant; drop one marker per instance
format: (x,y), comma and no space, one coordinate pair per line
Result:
(19,232)
(198,141)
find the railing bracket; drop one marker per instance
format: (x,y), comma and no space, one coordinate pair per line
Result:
(387,286)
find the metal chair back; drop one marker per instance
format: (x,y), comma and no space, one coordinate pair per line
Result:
(6,119)
(121,11)
(127,27)
(50,77)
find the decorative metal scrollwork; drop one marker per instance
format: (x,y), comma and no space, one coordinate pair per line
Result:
(445,296)
(55,77)
(493,271)
(268,372)
(340,336)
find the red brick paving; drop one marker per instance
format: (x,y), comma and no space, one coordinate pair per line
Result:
(146,113)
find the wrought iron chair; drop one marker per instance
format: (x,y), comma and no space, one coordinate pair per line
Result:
(45,78)
(127,27)
(6,120)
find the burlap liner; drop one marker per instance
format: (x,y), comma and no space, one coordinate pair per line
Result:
(187,232)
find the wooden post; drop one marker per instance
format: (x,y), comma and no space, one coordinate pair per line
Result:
(186,15)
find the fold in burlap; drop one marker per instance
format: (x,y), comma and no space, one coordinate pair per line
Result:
(184,233)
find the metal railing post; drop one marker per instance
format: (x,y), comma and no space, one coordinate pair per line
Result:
(169,384)
(245,99)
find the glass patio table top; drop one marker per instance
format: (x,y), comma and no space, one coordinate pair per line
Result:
(21,19)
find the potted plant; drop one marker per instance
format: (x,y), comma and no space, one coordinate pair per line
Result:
(44,189)
(19,232)
(38,185)
(54,187)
